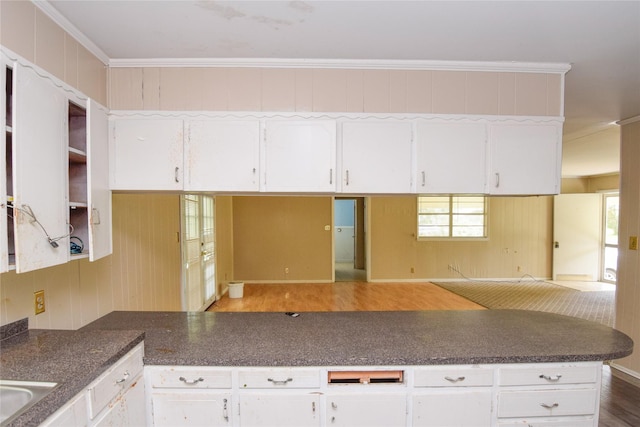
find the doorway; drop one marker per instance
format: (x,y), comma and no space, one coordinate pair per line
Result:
(349,239)
(198,255)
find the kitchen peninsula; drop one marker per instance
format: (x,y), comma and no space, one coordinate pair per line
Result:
(391,365)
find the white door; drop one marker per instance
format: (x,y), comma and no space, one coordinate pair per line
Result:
(146,154)
(199,276)
(376,157)
(367,410)
(191,408)
(100,242)
(469,407)
(300,156)
(39,172)
(222,155)
(577,220)
(451,158)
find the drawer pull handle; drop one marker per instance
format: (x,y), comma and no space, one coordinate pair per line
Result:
(454,380)
(186,381)
(553,379)
(279,382)
(124,378)
(544,405)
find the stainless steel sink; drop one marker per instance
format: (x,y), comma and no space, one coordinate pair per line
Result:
(18,396)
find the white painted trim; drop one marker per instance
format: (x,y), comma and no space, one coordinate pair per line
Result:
(626,371)
(628,121)
(504,66)
(73,31)
(288,115)
(461,279)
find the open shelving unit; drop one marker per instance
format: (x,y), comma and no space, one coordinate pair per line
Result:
(77,180)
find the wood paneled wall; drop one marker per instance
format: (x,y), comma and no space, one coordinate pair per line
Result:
(519,243)
(27,31)
(336,90)
(144,272)
(628,287)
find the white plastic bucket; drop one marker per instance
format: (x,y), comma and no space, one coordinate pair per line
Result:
(236,289)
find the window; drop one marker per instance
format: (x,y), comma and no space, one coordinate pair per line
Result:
(452,217)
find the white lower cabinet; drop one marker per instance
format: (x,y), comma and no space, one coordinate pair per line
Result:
(367,409)
(115,399)
(280,409)
(508,395)
(191,408)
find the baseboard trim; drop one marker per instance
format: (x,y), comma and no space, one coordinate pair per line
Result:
(625,374)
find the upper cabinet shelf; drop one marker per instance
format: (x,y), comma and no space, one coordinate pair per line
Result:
(335,153)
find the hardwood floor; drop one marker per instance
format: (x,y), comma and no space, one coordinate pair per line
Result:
(344,296)
(620,400)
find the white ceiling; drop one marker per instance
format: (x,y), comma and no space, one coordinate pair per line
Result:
(600,39)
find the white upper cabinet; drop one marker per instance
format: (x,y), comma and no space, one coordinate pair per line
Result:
(377,157)
(146,154)
(222,155)
(451,158)
(300,156)
(99,194)
(39,172)
(525,158)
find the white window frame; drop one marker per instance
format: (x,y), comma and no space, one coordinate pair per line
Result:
(451,213)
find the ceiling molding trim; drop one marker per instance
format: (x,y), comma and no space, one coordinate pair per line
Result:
(628,121)
(73,31)
(524,67)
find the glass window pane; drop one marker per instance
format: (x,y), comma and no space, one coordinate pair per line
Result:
(434,231)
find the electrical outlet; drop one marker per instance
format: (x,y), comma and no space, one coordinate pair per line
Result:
(38,301)
(413,270)
(286,270)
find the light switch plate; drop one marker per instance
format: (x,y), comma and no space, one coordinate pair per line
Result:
(633,243)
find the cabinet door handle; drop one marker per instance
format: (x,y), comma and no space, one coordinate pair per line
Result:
(497,179)
(547,406)
(176,174)
(279,382)
(424,178)
(124,378)
(313,407)
(225,413)
(191,382)
(454,380)
(330,176)
(553,379)
(347,173)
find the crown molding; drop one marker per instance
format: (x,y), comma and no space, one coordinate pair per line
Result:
(524,67)
(73,31)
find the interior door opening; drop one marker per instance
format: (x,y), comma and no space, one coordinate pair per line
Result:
(349,239)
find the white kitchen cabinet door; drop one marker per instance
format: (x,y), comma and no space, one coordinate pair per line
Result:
(377,157)
(146,154)
(300,156)
(277,409)
(127,410)
(222,155)
(39,171)
(451,158)
(451,408)
(6,150)
(72,413)
(367,410)
(99,194)
(191,408)
(525,158)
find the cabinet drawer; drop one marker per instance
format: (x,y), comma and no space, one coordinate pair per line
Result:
(279,378)
(453,377)
(571,422)
(549,375)
(544,403)
(118,378)
(188,377)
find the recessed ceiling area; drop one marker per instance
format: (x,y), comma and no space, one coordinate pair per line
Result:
(599,39)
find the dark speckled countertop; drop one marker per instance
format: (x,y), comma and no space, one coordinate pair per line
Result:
(75,358)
